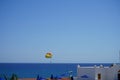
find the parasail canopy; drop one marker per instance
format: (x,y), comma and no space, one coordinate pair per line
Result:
(48,55)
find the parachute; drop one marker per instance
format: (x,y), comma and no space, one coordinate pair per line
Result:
(48,55)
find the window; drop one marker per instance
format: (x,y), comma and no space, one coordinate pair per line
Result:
(119,75)
(99,76)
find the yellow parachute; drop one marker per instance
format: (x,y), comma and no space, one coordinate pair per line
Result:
(48,55)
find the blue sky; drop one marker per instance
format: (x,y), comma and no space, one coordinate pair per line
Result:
(75,31)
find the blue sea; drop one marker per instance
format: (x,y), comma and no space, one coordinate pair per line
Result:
(31,70)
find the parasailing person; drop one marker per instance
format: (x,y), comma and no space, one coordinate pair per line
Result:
(49,56)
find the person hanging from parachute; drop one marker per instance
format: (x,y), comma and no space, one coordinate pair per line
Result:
(49,56)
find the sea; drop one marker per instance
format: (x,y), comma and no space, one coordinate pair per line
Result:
(45,70)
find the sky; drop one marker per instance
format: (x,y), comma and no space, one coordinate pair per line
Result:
(74,31)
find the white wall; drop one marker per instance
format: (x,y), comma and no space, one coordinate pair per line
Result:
(101,71)
(106,73)
(90,72)
(112,73)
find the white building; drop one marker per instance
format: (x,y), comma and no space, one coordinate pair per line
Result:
(99,72)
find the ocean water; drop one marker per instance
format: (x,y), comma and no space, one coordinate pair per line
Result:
(31,70)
